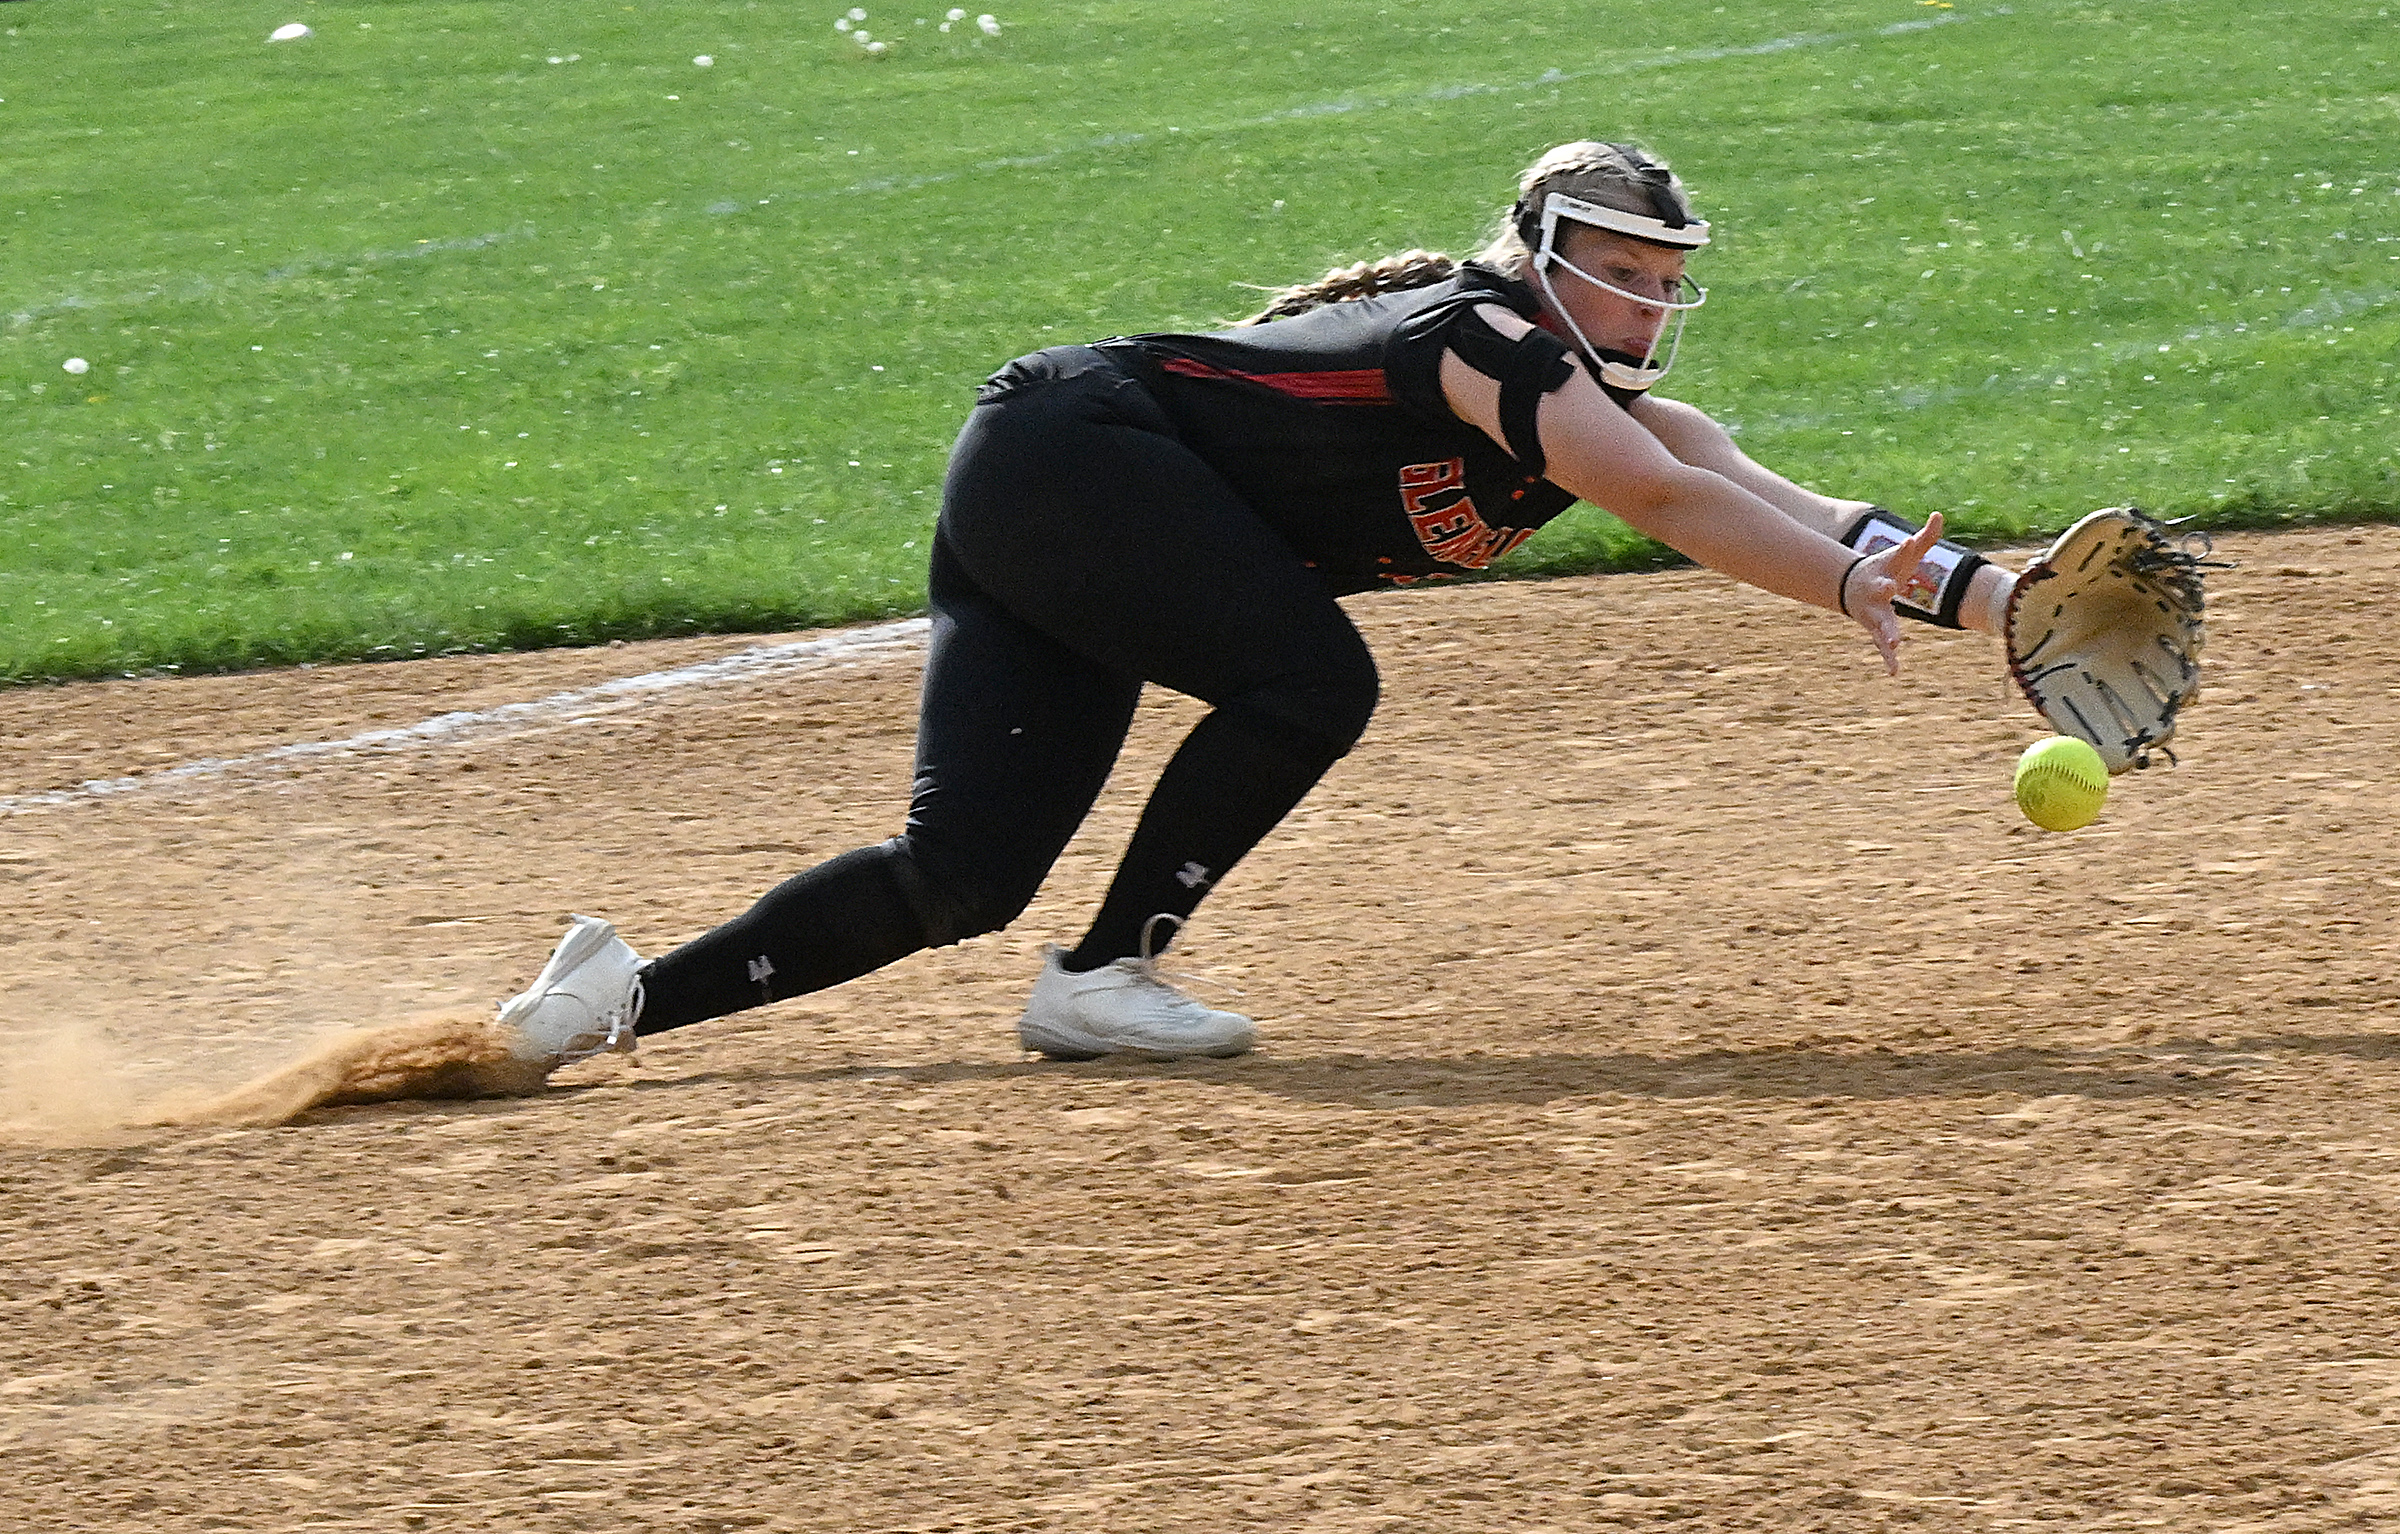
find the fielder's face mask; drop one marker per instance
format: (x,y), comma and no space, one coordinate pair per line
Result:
(1624,374)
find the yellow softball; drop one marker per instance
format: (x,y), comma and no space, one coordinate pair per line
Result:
(2061,783)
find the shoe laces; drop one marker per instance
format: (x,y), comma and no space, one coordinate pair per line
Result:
(619,1021)
(1145,966)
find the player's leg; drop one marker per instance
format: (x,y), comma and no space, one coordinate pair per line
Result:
(1016,736)
(1180,581)
(1072,513)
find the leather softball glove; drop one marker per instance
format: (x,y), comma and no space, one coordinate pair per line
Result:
(2104,632)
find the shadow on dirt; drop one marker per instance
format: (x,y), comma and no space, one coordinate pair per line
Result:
(2187,1069)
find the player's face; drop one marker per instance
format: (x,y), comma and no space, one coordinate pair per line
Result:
(1613,321)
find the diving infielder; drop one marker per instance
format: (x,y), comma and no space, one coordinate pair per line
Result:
(1184,510)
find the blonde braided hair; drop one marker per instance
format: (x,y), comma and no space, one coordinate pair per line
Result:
(1594,171)
(1360,279)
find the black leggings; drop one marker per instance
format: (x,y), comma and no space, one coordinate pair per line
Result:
(1082,551)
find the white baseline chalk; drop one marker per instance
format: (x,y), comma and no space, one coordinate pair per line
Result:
(752,665)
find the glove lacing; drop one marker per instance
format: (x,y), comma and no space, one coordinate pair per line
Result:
(2179,564)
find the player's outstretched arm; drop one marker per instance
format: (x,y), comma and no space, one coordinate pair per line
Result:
(1693,437)
(1689,433)
(1597,452)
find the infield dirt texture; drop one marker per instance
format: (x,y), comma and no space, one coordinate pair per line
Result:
(1692,1096)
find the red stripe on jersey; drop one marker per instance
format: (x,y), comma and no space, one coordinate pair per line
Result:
(1353,386)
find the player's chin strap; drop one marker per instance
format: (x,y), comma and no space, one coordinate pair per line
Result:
(1624,374)
(1933,595)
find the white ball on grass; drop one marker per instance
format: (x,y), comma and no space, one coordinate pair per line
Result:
(288,31)
(703,60)
(77,366)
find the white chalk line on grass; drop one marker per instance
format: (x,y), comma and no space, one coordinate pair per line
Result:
(1667,59)
(201,287)
(759,663)
(2321,314)
(192,289)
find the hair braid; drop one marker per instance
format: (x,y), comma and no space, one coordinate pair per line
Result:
(1361,279)
(1617,175)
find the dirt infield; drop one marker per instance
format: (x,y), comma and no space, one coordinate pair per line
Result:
(1691,1096)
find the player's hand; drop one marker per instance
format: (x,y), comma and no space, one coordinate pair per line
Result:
(1873,582)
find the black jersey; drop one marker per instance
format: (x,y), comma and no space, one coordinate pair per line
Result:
(1332,425)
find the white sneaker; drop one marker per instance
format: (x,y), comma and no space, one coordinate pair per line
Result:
(1126,1007)
(584,1002)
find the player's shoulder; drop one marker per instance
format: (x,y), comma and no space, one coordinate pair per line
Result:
(1509,323)
(1489,284)
(1470,284)
(1472,289)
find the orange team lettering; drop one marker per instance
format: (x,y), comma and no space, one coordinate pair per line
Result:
(1453,532)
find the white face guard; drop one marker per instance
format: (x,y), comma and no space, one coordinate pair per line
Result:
(1623,370)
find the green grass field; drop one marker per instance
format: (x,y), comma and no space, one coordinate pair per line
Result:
(462,325)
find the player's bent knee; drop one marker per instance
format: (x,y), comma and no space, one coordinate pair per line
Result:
(952,908)
(1317,714)
(1317,722)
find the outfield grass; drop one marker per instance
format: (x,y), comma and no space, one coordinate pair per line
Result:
(406,338)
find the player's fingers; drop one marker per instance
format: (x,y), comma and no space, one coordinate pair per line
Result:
(1875,615)
(1901,563)
(1887,640)
(1894,569)
(1924,538)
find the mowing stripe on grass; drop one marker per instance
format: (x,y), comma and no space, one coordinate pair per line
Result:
(1673,59)
(2318,315)
(757,664)
(202,287)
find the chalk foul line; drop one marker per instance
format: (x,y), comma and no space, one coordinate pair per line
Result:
(759,663)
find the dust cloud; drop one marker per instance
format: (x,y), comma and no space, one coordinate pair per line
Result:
(449,1055)
(69,1087)
(66,1086)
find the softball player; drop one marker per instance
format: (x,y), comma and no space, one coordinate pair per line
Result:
(1184,510)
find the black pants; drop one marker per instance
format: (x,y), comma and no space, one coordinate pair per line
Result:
(1082,551)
